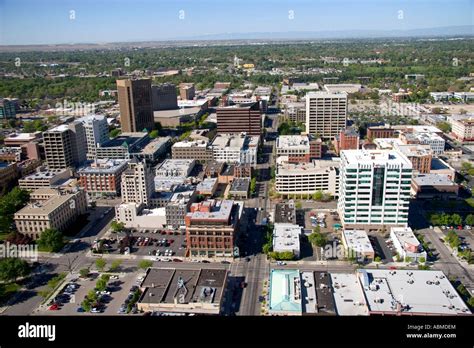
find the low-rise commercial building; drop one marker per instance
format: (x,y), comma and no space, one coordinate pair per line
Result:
(198,291)
(298,148)
(137,216)
(239,188)
(207,187)
(102,177)
(196,149)
(434,186)
(409,292)
(235,148)
(286,238)
(357,245)
(52,209)
(407,245)
(44,178)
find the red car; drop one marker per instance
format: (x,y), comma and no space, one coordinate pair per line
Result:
(393,267)
(54,307)
(170,240)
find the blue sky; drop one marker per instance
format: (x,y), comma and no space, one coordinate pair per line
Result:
(47,21)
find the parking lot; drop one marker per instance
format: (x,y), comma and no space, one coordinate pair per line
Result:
(383,248)
(118,287)
(330,219)
(157,243)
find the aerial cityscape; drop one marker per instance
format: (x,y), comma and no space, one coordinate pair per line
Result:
(236,168)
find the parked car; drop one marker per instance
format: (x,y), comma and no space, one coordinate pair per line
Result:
(80,310)
(96,310)
(54,307)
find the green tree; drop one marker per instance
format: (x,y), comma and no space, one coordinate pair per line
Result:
(84,272)
(456,219)
(51,240)
(253,185)
(318,196)
(145,264)
(469,219)
(115,266)
(10,203)
(117,226)
(12,268)
(154,134)
(100,264)
(317,239)
(421,260)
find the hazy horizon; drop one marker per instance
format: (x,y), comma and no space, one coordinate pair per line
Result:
(46,22)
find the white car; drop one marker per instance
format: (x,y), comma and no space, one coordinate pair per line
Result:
(166,259)
(95,310)
(281,263)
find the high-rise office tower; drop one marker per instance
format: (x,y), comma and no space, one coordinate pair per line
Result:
(374,189)
(136,108)
(137,183)
(164,97)
(326,113)
(97,132)
(243,118)
(65,145)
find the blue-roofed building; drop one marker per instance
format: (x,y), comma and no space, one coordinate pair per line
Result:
(285,292)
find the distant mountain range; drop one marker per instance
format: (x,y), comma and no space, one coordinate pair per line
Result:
(451,31)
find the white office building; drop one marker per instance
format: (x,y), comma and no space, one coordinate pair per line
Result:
(232,148)
(286,238)
(97,132)
(326,113)
(374,189)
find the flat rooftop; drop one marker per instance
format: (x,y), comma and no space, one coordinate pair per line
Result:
(155,145)
(377,157)
(218,210)
(405,236)
(206,185)
(410,292)
(286,237)
(234,141)
(286,168)
(415,150)
(191,144)
(324,293)
(103,166)
(182,165)
(124,139)
(433,180)
(166,285)
(348,294)
(358,241)
(240,185)
(44,175)
(293,142)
